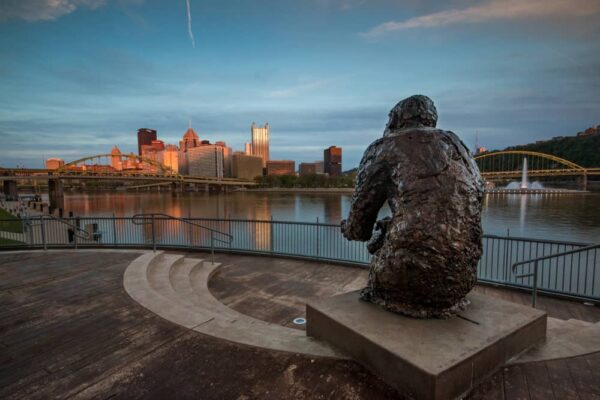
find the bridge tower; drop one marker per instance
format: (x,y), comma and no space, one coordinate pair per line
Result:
(56,194)
(10,190)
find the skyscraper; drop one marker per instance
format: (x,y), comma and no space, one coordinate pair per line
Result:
(226,158)
(170,157)
(145,137)
(332,161)
(260,141)
(205,160)
(190,139)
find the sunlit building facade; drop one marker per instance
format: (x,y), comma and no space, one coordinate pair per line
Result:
(227,153)
(54,163)
(281,167)
(246,166)
(190,140)
(145,137)
(332,161)
(205,160)
(260,141)
(115,159)
(170,157)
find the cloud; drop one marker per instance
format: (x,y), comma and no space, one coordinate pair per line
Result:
(43,10)
(296,90)
(342,4)
(493,10)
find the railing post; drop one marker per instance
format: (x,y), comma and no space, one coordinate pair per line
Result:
(43,228)
(506,261)
(212,247)
(75,231)
(535,279)
(114,223)
(153,236)
(317,246)
(272,236)
(229,228)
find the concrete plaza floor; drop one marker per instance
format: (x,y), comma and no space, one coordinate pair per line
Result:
(69,330)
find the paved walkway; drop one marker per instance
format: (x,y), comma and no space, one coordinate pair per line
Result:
(68,330)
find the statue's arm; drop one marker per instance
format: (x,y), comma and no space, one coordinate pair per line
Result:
(369,195)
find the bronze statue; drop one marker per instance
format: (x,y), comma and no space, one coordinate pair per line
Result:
(425,255)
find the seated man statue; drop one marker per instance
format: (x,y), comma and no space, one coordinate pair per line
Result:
(425,255)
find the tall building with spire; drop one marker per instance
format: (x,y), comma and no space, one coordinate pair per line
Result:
(189,141)
(116,162)
(260,141)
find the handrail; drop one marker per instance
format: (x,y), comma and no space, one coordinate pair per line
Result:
(535,262)
(76,229)
(212,231)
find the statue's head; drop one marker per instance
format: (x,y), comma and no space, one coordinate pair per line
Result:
(416,111)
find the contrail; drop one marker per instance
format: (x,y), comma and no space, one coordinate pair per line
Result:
(189,15)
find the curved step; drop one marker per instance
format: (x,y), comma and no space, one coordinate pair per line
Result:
(570,338)
(136,284)
(241,328)
(177,290)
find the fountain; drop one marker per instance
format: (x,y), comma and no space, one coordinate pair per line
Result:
(524,182)
(525,186)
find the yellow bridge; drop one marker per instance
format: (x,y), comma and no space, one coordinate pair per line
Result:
(505,165)
(97,168)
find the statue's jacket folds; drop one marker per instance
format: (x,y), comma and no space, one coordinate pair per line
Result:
(425,255)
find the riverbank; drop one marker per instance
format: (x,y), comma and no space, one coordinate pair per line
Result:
(300,190)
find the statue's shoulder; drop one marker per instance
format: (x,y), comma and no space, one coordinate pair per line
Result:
(376,145)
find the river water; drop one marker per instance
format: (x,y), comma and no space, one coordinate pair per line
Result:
(573,217)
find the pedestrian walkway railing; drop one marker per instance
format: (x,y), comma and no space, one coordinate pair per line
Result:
(575,275)
(580,259)
(74,231)
(152,219)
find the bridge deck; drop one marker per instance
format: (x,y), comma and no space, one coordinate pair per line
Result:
(68,329)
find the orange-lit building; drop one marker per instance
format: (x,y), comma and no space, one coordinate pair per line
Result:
(145,138)
(246,166)
(260,141)
(281,167)
(54,163)
(116,159)
(332,161)
(170,157)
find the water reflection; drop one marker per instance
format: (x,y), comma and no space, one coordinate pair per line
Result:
(547,216)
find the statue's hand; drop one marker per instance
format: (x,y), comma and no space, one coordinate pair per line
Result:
(378,237)
(344,228)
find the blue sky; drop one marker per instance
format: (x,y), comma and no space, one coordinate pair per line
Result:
(79,76)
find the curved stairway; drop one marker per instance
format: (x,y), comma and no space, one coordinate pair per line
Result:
(176,288)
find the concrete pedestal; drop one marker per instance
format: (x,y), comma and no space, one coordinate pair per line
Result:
(428,359)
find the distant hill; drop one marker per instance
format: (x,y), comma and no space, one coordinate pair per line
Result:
(582,149)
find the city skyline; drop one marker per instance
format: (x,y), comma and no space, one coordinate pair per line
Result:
(82,75)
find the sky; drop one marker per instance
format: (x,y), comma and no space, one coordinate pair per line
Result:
(79,76)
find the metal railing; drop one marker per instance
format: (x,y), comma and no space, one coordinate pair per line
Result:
(545,262)
(572,276)
(151,218)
